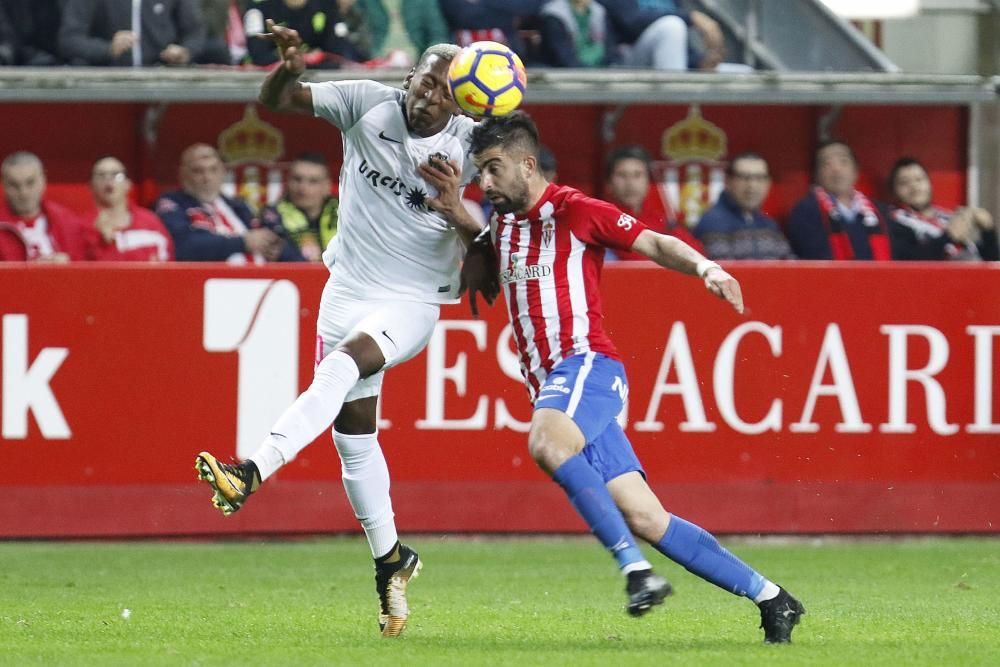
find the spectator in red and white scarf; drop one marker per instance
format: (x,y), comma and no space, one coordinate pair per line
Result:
(921,230)
(835,220)
(50,232)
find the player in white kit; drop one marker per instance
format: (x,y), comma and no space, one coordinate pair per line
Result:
(393,262)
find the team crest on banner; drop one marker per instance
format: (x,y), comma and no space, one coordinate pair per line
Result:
(251,149)
(693,173)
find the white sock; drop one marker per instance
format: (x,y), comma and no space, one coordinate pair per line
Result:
(769,592)
(311,413)
(366,480)
(635,567)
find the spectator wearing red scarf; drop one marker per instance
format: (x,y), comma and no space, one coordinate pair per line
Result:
(835,220)
(920,230)
(629,177)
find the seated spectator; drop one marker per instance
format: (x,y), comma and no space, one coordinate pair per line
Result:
(576,33)
(921,230)
(835,221)
(735,227)
(308,211)
(657,34)
(109,32)
(207,226)
(424,23)
(50,232)
(34,25)
(117,229)
(322,25)
(629,179)
(488,20)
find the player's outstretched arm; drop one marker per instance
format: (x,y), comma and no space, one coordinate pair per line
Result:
(672,253)
(282,90)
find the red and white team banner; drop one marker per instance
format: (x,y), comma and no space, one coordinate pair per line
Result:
(848,398)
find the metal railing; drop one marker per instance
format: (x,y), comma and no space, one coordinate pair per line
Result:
(545,86)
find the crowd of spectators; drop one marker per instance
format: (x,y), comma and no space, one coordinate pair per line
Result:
(198,222)
(659,34)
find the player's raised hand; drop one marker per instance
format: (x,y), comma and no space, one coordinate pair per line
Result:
(445,176)
(724,286)
(289,46)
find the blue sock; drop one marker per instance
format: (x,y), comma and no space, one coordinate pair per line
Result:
(591,499)
(701,554)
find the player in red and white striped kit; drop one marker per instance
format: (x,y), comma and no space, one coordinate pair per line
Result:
(550,242)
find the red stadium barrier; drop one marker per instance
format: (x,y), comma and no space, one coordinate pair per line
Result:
(856,398)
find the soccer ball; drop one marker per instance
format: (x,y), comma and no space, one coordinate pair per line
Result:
(487,79)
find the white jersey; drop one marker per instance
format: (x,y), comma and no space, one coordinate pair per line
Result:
(389,245)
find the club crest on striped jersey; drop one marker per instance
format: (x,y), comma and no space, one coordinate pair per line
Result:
(548,230)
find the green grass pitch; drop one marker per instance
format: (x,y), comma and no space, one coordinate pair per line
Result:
(545,601)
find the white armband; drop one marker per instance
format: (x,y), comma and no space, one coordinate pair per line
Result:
(704,265)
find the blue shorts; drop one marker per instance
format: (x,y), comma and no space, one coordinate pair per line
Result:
(591,389)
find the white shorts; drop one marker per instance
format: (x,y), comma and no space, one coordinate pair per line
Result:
(401,330)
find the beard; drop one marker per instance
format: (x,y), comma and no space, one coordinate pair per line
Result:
(516,201)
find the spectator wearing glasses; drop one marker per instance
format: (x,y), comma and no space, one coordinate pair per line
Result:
(118,229)
(736,227)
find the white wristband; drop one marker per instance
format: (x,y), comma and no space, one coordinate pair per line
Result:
(704,265)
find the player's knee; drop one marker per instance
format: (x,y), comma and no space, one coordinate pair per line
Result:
(547,450)
(365,352)
(646,523)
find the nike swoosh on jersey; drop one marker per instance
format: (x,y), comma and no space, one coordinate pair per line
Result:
(542,398)
(381,135)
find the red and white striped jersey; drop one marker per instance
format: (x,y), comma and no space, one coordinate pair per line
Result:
(550,270)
